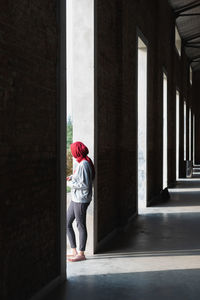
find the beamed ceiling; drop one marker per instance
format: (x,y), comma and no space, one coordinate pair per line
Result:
(187,14)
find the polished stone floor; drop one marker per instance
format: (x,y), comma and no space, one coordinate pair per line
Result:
(157,257)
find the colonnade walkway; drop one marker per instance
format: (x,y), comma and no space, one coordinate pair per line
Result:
(157,257)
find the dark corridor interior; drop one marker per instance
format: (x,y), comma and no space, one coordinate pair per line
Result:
(153,254)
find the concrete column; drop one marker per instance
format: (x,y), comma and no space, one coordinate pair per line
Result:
(80,81)
(80,69)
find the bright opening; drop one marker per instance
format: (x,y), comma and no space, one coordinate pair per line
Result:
(177,134)
(165,181)
(185,131)
(80,95)
(190,134)
(190,75)
(142,124)
(177,41)
(193,139)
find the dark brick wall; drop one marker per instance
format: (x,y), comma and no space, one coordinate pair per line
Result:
(28,101)
(117,102)
(167,58)
(161,56)
(185,94)
(28,50)
(133,12)
(196,108)
(109,89)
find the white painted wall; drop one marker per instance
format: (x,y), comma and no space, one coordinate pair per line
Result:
(80,82)
(194,139)
(142,125)
(80,70)
(190,134)
(165,147)
(177,133)
(185,131)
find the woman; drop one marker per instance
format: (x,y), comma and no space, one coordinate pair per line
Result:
(81,190)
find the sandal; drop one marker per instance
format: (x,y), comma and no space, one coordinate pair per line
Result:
(77,258)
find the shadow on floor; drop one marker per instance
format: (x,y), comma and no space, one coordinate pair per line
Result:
(156,257)
(167,285)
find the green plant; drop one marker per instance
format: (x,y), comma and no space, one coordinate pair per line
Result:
(68,189)
(69,159)
(69,132)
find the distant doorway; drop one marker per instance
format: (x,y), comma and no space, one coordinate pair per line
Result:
(194,139)
(142,125)
(185,130)
(177,133)
(190,134)
(165,170)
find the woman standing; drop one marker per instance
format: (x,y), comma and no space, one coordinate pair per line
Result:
(81,190)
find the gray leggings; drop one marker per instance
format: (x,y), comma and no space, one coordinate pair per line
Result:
(77,211)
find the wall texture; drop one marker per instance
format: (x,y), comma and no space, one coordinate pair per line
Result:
(196,108)
(80,67)
(109,90)
(28,140)
(117,26)
(29,207)
(134,22)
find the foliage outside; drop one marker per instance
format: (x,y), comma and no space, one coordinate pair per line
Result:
(69,132)
(69,159)
(68,189)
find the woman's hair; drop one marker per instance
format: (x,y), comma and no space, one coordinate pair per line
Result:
(80,152)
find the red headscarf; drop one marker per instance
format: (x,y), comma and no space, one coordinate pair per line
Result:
(80,152)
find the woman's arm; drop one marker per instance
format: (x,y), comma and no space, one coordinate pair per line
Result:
(81,179)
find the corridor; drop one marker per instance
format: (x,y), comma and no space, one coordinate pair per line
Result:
(157,257)
(122,77)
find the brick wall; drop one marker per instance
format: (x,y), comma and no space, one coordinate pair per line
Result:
(134,20)
(28,51)
(109,90)
(28,207)
(117,102)
(196,109)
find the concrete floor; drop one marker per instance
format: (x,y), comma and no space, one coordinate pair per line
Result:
(158,257)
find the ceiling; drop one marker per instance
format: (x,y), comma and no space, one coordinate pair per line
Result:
(187,14)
